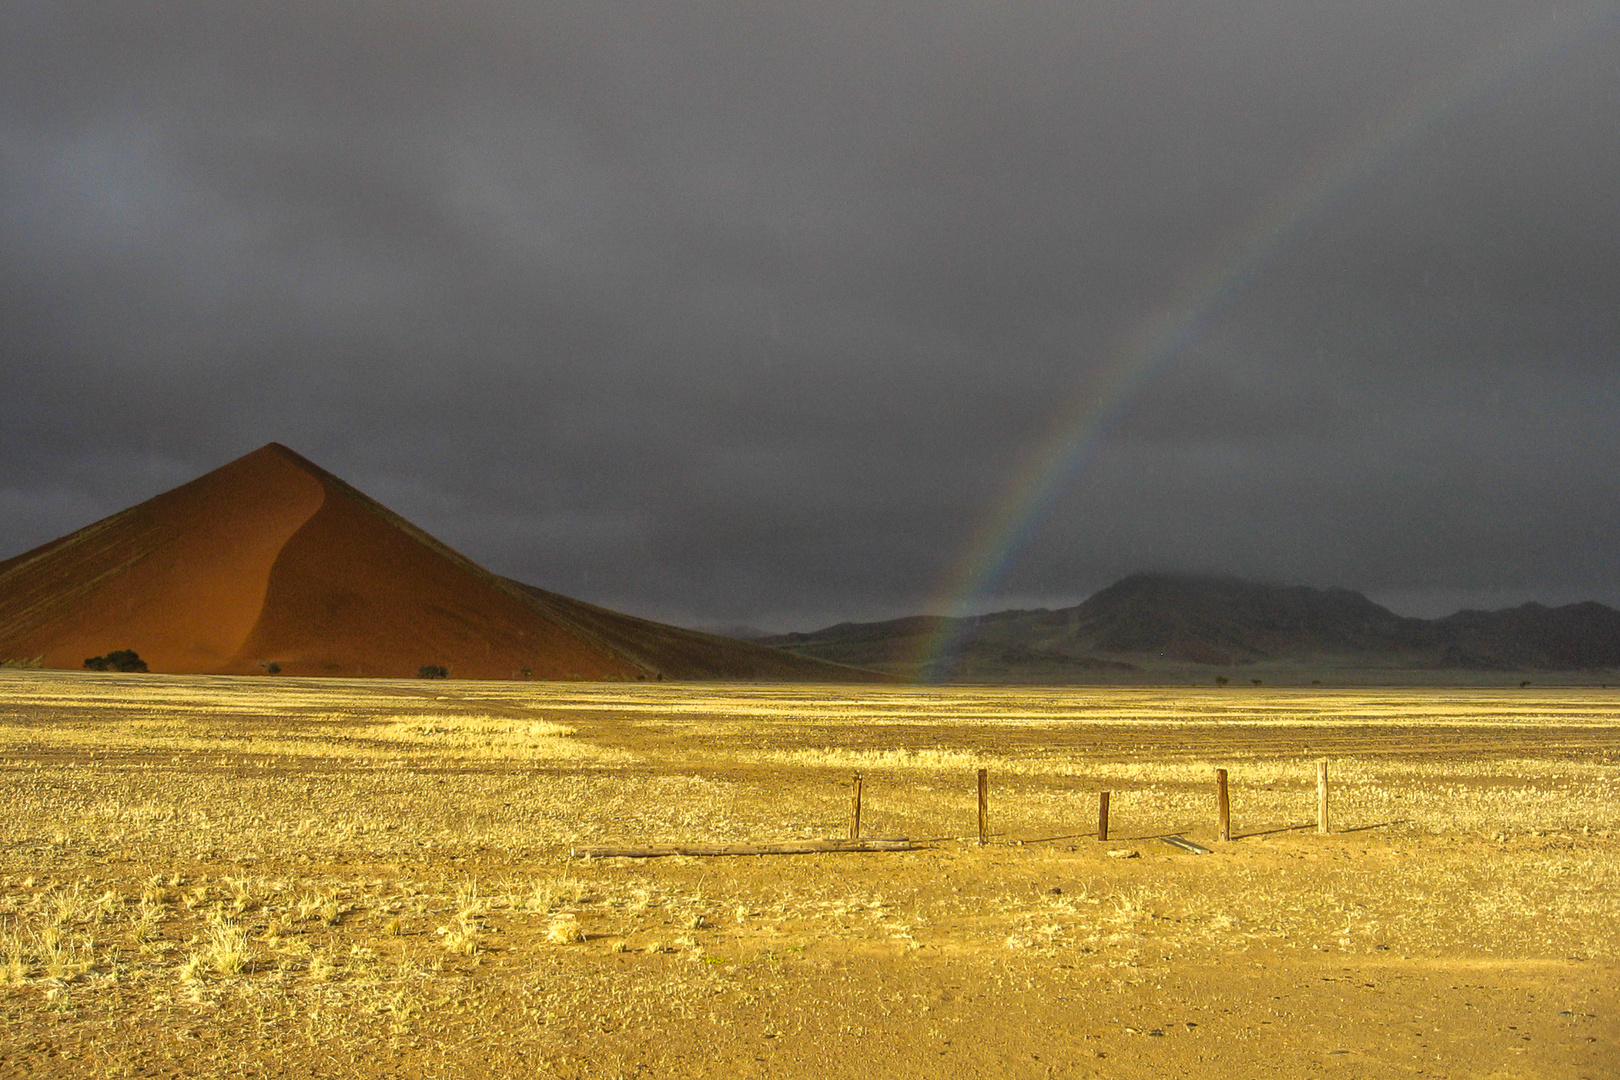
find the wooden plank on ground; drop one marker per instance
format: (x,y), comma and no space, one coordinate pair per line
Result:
(1185,845)
(773,847)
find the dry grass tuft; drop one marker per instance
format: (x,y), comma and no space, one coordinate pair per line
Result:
(14,965)
(228,951)
(461,938)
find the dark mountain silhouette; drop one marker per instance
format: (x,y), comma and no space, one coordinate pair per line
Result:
(1150,619)
(1568,638)
(1213,620)
(271,563)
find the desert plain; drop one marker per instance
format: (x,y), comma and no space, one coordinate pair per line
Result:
(258,876)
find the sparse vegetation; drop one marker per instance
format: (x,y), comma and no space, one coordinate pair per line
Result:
(229,873)
(119,660)
(565,930)
(432,671)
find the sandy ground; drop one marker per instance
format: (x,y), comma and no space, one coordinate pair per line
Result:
(255,877)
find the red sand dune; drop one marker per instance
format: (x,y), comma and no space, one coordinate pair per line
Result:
(271,559)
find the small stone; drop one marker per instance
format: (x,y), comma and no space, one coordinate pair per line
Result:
(1055,891)
(1122,853)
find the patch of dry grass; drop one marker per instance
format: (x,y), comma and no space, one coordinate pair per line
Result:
(359,861)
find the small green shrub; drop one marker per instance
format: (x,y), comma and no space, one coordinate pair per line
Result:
(119,660)
(432,671)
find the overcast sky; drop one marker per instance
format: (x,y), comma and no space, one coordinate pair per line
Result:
(751,312)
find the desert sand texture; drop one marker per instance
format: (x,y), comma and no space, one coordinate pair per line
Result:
(218,876)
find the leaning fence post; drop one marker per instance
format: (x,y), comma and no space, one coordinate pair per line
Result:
(855,811)
(1321,797)
(1223,807)
(984,798)
(1102,815)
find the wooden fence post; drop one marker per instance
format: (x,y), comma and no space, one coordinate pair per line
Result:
(1321,797)
(1102,815)
(1223,807)
(855,811)
(984,798)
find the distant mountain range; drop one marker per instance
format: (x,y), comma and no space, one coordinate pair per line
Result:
(1151,625)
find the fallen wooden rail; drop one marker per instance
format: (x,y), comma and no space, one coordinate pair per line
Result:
(1186,845)
(774,847)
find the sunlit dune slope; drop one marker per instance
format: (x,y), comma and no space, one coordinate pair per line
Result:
(181,578)
(270,562)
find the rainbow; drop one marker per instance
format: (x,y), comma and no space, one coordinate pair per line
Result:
(1060,454)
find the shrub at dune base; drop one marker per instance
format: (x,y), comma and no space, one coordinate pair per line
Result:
(121,660)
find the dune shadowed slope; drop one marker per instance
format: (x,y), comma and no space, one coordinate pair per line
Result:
(271,560)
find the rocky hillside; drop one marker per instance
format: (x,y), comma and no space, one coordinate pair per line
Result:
(1161,621)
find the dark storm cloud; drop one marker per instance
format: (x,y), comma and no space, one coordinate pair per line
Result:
(728,312)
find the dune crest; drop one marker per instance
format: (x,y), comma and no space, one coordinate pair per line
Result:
(353,594)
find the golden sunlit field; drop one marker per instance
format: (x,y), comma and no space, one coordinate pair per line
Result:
(274,877)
